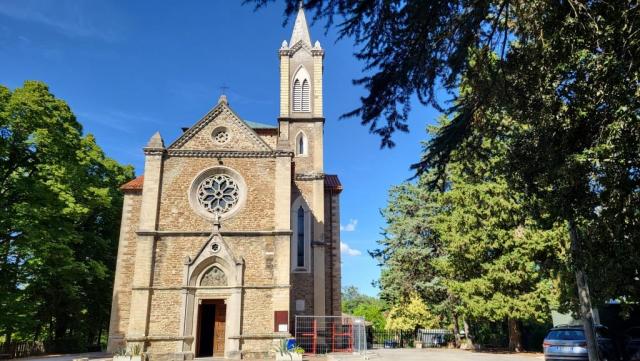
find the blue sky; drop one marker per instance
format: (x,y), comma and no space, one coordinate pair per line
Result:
(130,68)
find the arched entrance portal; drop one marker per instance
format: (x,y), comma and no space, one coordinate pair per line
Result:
(212,301)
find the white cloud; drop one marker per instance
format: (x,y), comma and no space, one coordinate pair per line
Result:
(344,248)
(350,227)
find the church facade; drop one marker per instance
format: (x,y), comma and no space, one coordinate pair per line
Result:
(233,229)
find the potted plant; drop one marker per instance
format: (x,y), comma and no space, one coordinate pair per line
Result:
(120,355)
(134,354)
(284,353)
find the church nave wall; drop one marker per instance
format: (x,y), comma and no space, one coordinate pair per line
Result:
(165,311)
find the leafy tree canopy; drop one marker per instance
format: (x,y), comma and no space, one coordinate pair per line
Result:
(411,315)
(357,304)
(59,219)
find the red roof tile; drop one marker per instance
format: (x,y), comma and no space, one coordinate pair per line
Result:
(332,182)
(133,185)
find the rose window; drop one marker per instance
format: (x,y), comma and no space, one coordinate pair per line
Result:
(218,193)
(221,136)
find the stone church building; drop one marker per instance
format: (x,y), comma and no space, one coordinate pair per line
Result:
(233,229)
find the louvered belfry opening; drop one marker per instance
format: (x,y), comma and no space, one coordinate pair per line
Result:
(305,96)
(301,95)
(297,96)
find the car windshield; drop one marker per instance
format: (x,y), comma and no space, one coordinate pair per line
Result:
(566,335)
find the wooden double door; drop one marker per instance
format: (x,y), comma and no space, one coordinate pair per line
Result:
(211,325)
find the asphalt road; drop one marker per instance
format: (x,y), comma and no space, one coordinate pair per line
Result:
(436,355)
(374,355)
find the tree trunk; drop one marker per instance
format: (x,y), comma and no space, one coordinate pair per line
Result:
(586,312)
(8,335)
(467,333)
(515,336)
(456,330)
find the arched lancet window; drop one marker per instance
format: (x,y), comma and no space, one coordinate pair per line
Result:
(301,91)
(301,238)
(302,144)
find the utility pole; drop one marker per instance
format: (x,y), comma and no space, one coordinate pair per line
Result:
(586,312)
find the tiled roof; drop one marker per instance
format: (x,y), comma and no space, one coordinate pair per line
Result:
(256,125)
(332,182)
(133,185)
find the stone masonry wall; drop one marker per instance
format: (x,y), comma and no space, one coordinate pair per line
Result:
(179,172)
(241,136)
(124,270)
(304,164)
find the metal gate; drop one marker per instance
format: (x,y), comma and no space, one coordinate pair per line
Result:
(324,334)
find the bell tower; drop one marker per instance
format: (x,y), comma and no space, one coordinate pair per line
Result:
(301,73)
(301,123)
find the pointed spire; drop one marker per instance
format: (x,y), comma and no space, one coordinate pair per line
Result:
(300,29)
(156,141)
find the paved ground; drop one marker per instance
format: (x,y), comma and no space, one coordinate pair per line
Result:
(375,355)
(92,356)
(436,355)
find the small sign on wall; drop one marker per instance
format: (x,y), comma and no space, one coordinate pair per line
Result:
(281,321)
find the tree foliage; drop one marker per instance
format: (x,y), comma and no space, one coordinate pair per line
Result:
(357,304)
(469,247)
(411,316)
(59,221)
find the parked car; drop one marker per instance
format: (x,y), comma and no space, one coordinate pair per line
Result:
(569,343)
(632,344)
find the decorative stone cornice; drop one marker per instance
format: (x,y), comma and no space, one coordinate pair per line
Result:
(196,153)
(299,45)
(300,120)
(280,232)
(159,338)
(317,52)
(309,176)
(259,336)
(187,288)
(154,151)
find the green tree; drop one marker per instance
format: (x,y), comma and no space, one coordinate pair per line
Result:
(473,242)
(411,315)
(500,263)
(357,304)
(58,221)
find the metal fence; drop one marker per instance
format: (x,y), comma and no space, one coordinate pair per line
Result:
(324,334)
(21,349)
(434,337)
(400,339)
